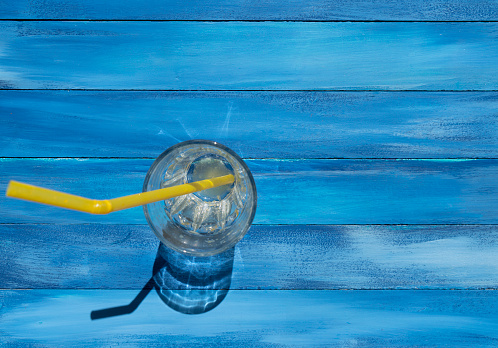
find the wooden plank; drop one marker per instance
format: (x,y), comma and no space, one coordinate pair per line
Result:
(289,191)
(269,257)
(256,319)
(249,55)
(254,124)
(438,10)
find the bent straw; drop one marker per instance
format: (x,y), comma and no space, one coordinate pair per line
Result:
(93,206)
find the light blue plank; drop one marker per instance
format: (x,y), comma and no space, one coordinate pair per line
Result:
(252,10)
(254,124)
(289,191)
(254,55)
(269,257)
(256,319)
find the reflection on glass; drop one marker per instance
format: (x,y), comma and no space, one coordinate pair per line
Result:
(192,284)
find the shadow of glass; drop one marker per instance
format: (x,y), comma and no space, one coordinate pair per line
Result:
(192,284)
(187,284)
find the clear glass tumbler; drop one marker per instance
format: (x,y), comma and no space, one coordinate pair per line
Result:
(208,222)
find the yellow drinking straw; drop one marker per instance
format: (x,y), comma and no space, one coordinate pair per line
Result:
(93,206)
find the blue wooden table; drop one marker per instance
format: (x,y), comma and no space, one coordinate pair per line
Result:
(371,129)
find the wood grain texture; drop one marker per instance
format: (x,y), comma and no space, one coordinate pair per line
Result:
(269,257)
(254,124)
(256,319)
(284,94)
(246,56)
(289,191)
(437,10)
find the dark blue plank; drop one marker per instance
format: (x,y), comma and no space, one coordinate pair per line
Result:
(269,257)
(254,124)
(253,10)
(289,191)
(254,55)
(256,319)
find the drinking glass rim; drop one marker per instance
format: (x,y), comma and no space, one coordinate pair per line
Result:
(237,158)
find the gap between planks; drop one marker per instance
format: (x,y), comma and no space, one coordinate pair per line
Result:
(273,158)
(323,90)
(262,289)
(242,20)
(265,225)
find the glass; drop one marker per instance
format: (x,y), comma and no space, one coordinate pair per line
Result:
(203,223)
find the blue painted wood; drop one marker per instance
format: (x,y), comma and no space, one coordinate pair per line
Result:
(256,319)
(253,10)
(269,257)
(289,191)
(254,124)
(254,55)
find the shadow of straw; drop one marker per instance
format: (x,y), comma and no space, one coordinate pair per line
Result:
(128,309)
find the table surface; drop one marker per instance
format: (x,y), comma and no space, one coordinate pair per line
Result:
(371,129)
